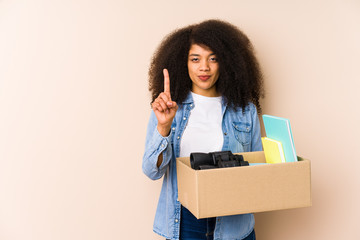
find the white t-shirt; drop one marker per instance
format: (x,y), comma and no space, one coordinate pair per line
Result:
(203,132)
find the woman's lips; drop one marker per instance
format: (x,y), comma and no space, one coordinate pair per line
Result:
(204,77)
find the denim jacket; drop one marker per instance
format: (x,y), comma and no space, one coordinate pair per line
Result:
(241,134)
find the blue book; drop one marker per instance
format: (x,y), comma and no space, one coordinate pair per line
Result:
(279,129)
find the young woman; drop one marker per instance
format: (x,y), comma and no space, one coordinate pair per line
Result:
(206,84)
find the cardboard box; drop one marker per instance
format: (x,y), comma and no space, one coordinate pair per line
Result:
(238,190)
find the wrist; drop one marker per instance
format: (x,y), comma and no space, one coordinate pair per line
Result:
(163,130)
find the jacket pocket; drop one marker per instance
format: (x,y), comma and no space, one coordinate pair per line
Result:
(242,132)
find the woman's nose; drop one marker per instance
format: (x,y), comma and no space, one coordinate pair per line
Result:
(204,65)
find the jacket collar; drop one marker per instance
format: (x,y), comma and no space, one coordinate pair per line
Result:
(189,99)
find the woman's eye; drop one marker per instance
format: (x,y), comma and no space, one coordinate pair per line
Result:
(213,59)
(194,59)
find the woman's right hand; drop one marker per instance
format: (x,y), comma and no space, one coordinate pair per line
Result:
(164,108)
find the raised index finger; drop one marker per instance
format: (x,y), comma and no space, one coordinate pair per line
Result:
(166,81)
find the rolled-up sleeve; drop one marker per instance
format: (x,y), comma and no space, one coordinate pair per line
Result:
(155,144)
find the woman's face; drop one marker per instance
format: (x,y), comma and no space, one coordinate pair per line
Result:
(203,70)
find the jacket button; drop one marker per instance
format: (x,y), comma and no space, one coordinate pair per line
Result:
(176,220)
(225,133)
(178,137)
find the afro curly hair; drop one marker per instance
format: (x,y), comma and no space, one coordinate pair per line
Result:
(240,80)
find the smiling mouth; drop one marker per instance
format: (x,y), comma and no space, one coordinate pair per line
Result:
(204,77)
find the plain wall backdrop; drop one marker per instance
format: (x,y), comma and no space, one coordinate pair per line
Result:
(74,106)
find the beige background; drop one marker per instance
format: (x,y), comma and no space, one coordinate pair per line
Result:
(74,107)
